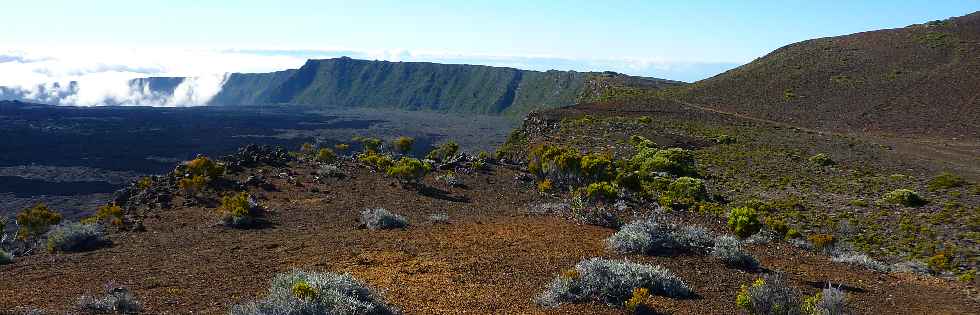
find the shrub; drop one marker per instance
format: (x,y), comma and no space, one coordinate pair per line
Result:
(612,282)
(939,262)
(144,182)
(829,301)
(729,250)
(76,237)
(306,148)
(111,213)
(409,170)
(598,168)
(768,295)
(822,241)
(194,183)
(403,144)
(859,259)
(341,147)
(946,180)
(725,139)
(439,218)
(443,152)
(300,292)
(640,142)
(684,192)
(904,197)
(376,161)
(637,303)
(381,219)
(36,220)
(5,257)
(596,214)
(369,144)
(450,179)
(114,301)
(822,159)
(601,191)
(969,276)
(326,156)
(645,119)
(676,161)
(744,222)
(654,238)
(556,163)
(202,166)
(545,185)
(239,210)
(778,226)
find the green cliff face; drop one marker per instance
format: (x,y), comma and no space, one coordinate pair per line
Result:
(349,82)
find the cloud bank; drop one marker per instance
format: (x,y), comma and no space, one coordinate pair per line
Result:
(106,76)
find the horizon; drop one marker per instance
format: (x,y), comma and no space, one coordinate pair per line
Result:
(85,43)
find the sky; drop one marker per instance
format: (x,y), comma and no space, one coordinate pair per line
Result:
(53,40)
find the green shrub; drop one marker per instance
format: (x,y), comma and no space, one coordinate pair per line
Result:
(36,220)
(939,262)
(403,144)
(144,182)
(859,203)
(369,144)
(377,161)
(443,152)
(744,221)
(778,226)
(904,197)
(110,213)
(684,192)
(946,180)
(822,159)
(725,139)
(557,163)
(640,142)
(645,119)
(676,161)
(409,170)
(239,210)
(326,155)
(597,167)
(601,190)
(203,166)
(76,237)
(306,148)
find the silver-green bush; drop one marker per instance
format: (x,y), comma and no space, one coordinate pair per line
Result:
(729,250)
(611,281)
(300,292)
(115,301)
(5,257)
(648,236)
(76,237)
(381,219)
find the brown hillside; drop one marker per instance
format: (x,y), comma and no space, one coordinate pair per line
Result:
(922,81)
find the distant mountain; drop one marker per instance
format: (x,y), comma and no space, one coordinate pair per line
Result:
(417,86)
(347,82)
(920,80)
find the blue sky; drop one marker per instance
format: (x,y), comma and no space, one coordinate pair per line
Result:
(683,40)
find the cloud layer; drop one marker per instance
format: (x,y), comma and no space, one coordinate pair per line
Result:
(102,76)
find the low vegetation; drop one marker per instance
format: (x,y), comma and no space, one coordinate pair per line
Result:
(76,237)
(116,300)
(300,292)
(403,144)
(769,295)
(729,250)
(611,282)
(382,219)
(35,221)
(744,221)
(651,237)
(444,152)
(239,210)
(903,197)
(409,171)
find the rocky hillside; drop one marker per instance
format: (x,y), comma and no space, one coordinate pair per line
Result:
(919,80)
(350,82)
